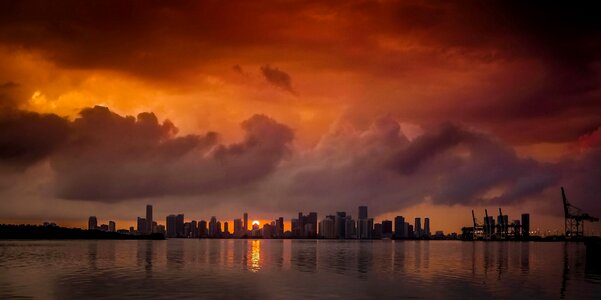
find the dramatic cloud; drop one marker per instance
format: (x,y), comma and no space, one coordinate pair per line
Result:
(278,78)
(111,157)
(27,137)
(448,165)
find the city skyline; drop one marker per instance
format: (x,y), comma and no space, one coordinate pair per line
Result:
(174,225)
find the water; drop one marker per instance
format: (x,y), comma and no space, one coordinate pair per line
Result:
(287,269)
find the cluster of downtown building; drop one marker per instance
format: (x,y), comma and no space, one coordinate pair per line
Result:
(337,226)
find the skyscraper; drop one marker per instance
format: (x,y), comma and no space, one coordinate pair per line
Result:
(427,227)
(340,224)
(112,226)
(171,226)
(141,226)
(387,228)
(245,223)
(226,230)
(202,228)
(92,223)
(362,212)
(279,224)
(238,228)
(399,227)
(148,219)
(418,228)
(526,225)
(179,225)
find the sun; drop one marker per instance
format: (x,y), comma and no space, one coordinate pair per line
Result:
(256,222)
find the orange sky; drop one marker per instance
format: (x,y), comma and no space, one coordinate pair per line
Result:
(411,107)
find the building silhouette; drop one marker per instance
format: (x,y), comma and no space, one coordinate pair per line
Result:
(171,226)
(399,227)
(149,219)
(427,227)
(92,223)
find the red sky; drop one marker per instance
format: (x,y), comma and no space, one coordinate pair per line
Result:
(215,108)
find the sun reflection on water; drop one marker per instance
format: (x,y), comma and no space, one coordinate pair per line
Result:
(255,256)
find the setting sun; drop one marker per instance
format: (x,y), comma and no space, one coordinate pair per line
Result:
(256,222)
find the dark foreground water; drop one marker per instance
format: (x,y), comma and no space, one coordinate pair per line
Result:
(286,269)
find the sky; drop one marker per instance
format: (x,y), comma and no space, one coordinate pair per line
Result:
(213,108)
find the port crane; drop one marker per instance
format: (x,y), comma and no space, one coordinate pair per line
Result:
(574,218)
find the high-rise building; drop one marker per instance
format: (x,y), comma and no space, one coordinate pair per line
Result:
(340,224)
(525,225)
(307,225)
(279,227)
(245,223)
(187,229)
(171,226)
(226,229)
(399,227)
(362,212)
(112,226)
(294,226)
(149,219)
(410,231)
(92,223)
(427,227)
(378,230)
(350,230)
(387,228)
(194,226)
(179,225)
(202,229)
(363,228)
(326,229)
(141,226)
(238,228)
(418,228)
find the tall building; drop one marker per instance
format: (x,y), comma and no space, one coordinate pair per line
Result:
(238,228)
(245,223)
(179,225)
(149,219)
(112,226)
(194,226)
(364,230)
(279,227)
(92,223)
(307,225)
(418,228)
(350,229)
(340,224)
(427,227)
(362,212)
(294,226)
(410,231)
(387,228)
(399,227)
(226,230)
(214,227)
(171,226)
(141,226)
(525,225)
(377,231)
(326,229)
(202,229)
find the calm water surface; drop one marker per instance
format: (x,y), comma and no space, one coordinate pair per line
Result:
(287,269)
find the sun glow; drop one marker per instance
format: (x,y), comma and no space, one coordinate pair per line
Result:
(256,222)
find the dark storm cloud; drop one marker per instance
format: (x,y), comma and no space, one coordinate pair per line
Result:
(278,78)
(27,137)
(447,165)
(110,157)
